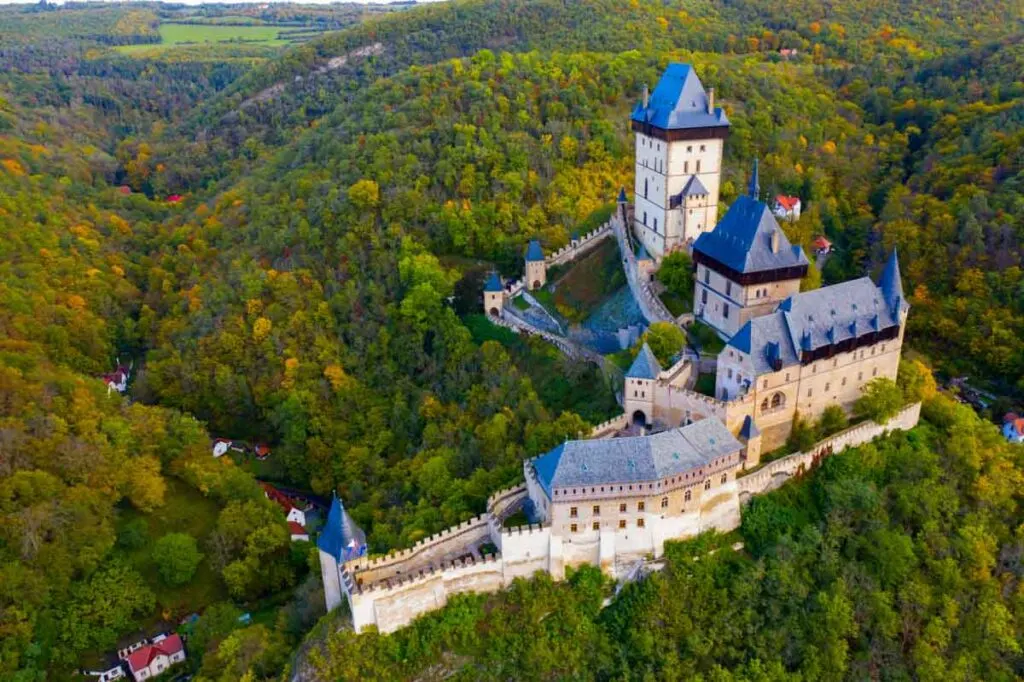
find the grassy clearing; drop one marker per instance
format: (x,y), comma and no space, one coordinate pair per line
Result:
(594,277)
(706,338)
(174,35)
(676,305)
(185,510)
(705,384)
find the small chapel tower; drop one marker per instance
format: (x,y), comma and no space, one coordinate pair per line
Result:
(536,269)
(494,295)
(638,398)
(679,141)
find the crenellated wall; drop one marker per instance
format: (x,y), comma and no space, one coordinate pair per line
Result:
(775,473)
(577,247)
(390,591)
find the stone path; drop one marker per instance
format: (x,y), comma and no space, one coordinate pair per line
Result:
(650,305)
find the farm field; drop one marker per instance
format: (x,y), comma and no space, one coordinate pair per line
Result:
(172,35)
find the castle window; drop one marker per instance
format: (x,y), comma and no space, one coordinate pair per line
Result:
(860,376)
(639,523)
(809,392)
(689,148)
(622,523)
(778,400)
(707,484)
(698,165)
(729,373)
(872,350)
(573,528)
(702,147)
(686,166)
(725,478)
(645,217)
(640,506)
(787,376)
(826,386)
(597,510)
(883,347)
(622,507)
(572,512)
(703,295)
(764,405)
(686,496)
(765,384)
(596,525)
(843,382)
(725,310)
(835,363)
(728,288)
(664,502)
(645,188)
(874,372)
(655,224)
(659,147)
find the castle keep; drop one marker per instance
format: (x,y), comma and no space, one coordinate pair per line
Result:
(615,498)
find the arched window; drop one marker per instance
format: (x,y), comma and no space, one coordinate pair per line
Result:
(707,484)
(778,400)
(664,502)
(686,497)
(764,405)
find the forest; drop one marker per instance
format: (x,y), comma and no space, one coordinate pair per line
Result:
(287,243)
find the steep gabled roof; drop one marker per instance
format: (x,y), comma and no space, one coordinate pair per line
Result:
(637,459)
(749,429)
(742,240)
(141,658)
(891,284)
(694,187)
(645,366)
(679,102)
(787,202)
(534,252)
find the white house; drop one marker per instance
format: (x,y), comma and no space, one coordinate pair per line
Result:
(787,207)
(153,659)
(220,446)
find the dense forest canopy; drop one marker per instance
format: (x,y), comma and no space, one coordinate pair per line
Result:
(286,244)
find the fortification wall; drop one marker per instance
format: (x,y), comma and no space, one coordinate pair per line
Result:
(605,429)
(504,503)
(577,247)
(525,550)
(774,474)
(432,550)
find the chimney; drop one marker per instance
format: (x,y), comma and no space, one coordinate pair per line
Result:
(711,101)
(646,95)
(775,240)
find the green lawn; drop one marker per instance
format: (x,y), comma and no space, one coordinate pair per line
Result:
(520,303)
(172,35)
(185,510)
(706,338)
(706,384)
(676,305)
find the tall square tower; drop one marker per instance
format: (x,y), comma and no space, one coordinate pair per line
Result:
(680,136)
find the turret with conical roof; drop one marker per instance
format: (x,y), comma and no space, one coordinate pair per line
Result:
(891,285)
(640,385)
(494,295)
(536,271)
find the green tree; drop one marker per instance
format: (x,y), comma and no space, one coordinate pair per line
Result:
(881,400)
(676,273)
(832,420)
(916,381)
(176,557)
(666,340)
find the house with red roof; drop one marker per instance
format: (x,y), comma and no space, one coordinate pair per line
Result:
(118,379)
(155,658)
(821,245)
(174,198)
(787,207)
(1013,427)
(262,451)
(294,509)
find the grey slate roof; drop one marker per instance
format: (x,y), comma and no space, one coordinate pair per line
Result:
(493,283)
(645,366)
(813,319)
(891,283)
(742,240)
(694,187)
(679,101)
(636,459)
(534,252)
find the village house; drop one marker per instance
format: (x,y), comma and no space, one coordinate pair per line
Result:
(294,510)
(787,207)
(118,379)
(1013,427)
(154,659)
(822,246)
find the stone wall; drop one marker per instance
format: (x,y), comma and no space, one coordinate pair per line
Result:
(610,427)
(577,247)
(774,474)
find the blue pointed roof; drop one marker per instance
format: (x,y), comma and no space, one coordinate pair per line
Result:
(679,102)
(622,195)
(341,537)
(645,366)
(742,240)
(534,252)
(741,339)
(636,459)
(749,429)
(891,283)
(493,283)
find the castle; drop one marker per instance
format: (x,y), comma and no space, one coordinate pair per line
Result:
(615,498)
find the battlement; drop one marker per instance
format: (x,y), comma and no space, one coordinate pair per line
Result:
(577,247)
(405,555)
(606,428)
(527,529)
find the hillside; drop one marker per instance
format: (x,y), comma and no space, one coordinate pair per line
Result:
(287,242)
